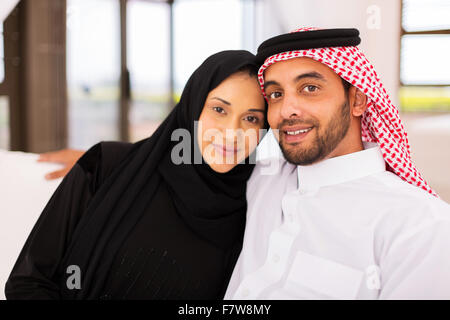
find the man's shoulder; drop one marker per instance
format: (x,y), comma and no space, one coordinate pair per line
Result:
(404,210)
(403,195)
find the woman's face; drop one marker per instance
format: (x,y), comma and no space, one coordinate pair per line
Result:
(229,124)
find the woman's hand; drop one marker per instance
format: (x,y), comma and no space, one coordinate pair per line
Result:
(68,157)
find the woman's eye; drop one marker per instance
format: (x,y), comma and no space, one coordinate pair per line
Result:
(252,119)
(275,95)
(219,109)
(311,88)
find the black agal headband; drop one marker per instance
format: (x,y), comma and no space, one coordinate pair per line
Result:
(308,40)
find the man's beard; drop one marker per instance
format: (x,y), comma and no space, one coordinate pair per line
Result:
(323,144)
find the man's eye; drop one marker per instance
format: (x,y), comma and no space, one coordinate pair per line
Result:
(252,119)
(311,88)
(219,109)
(275,95)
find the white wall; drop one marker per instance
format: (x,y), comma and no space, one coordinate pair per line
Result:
(377,20)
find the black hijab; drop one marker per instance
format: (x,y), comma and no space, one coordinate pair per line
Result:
(212,204)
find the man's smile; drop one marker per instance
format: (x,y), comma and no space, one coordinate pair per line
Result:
(293,134)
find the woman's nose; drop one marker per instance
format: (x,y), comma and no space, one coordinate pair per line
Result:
(233,123)
(232,128)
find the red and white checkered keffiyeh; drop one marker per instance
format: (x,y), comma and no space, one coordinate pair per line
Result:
(381,122)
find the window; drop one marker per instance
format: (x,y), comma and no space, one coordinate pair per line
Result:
(424,63)
(93,71)
(148,63)
(204,27)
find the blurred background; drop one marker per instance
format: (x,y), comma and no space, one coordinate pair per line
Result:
(75,72)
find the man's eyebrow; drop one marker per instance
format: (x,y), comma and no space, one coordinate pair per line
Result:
(270,83)
(222,100)
(312,74)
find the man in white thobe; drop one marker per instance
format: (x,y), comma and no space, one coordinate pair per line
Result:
(344,214)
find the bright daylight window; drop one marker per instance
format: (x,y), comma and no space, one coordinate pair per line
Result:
(93,71)
(424,62)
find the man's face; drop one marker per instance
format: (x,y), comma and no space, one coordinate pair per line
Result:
(309,107)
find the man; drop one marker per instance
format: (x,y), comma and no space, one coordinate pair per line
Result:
(347,215)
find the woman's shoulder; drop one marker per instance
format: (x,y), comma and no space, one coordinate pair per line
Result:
(102,158)
(112,153)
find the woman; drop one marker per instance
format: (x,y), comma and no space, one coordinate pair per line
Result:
(129,223)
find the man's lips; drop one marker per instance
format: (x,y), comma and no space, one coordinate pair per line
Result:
(292,134)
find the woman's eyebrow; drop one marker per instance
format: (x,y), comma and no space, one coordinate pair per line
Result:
(222,100)
(257,110)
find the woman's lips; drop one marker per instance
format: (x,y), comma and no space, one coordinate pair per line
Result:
(293,135)
(224,150)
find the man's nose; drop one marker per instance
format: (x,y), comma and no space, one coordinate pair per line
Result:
(290,107)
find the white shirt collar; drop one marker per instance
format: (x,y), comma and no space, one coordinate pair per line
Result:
(341,169)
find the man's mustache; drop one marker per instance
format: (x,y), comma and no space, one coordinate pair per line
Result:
(293,122)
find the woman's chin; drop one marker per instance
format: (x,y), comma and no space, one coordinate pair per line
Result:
(222,168)
(223,165)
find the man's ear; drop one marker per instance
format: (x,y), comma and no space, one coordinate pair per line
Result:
(358,101)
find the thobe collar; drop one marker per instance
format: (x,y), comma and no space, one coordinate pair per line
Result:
(341,169)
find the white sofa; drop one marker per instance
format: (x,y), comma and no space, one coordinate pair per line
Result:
(23,195)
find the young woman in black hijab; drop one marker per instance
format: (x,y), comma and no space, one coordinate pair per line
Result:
(135,225)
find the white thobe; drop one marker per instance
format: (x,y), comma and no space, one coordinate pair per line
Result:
(343,228)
